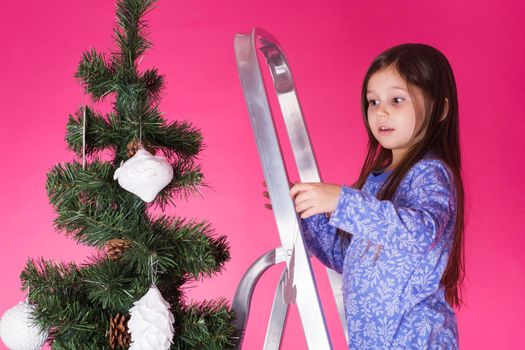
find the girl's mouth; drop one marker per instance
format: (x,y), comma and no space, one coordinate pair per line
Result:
(385,131)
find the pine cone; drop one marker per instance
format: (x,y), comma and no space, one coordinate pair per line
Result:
(133,147)
(115,247)
(118,331)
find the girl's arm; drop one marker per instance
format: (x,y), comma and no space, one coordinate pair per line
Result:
(324,242)
(412,228)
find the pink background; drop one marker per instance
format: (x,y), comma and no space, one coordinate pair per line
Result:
(329,45)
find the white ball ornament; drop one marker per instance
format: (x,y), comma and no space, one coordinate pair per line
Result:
(144,175)
(18,331)
(151,322)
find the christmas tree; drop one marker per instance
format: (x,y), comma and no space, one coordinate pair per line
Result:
(143,260)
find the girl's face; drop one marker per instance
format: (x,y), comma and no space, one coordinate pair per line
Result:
(391,105)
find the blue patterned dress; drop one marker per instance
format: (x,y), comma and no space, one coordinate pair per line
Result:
(393,264)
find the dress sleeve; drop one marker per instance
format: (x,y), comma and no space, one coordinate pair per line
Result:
(324,242)
(411,228)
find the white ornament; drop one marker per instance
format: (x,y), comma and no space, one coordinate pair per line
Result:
(151,322)
(144,175)
(18,331)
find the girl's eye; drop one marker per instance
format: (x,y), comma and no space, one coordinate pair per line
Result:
(397,100)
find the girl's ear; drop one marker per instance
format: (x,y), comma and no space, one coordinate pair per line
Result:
(445,111)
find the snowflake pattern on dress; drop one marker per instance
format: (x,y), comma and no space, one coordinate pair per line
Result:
(394,261)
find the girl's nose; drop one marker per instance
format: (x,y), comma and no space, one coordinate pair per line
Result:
(381,112)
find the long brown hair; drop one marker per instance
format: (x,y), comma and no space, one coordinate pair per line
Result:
(427,68)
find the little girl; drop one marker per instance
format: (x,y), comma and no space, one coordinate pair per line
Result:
(396,234)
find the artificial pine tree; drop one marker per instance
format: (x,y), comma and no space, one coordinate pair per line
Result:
(87,307)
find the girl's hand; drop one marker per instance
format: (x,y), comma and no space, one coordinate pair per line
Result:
(266,194)
(315,198)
